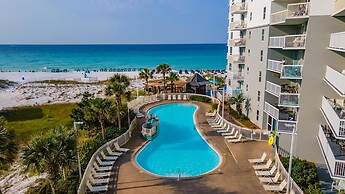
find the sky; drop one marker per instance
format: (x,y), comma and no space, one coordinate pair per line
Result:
(113,21)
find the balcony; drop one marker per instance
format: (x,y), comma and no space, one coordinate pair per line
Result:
(289,42)
(236,92)
(277,42)
(239,8)
(236,76)
(239,42)
(286,71)
(274,65)
(288,95)
(273,89)
(339,8)
(286,118)
(295,14)
(336,80)
(335,117)
(289,100)
(337,42)
(238,25)
(333,153)
(237,59)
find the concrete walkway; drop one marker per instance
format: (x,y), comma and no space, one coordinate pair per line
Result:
(236,175)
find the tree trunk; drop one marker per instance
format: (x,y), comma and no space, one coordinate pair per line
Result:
(164,82)
(119,117)
(172,88)
(147,83)
(102,127)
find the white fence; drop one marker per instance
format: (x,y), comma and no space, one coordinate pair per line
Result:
(273,88)
(336,79)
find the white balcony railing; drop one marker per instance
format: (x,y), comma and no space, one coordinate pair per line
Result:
(236,75)
(336,80)
(277,42)
(286,126)
(237,59)
(239,8)
(297,10)
(334,121)
(288,99)
(274,65)
(291,72)
(272,88)
(295,41)
(337,41)
(238,25)
(279,17)
(271,110)
(237,42)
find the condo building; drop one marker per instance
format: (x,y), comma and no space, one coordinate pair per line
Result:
(287,57)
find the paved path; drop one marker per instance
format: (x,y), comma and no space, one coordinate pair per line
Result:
(235,175)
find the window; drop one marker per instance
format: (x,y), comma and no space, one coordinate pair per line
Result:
(247,70)
(250,34)
(264,15)
(261,55)
(260,76)
(258,96)
(230,50)
(231,35)
(248,51)
(257,115)
(246,87)
(263,34)
(251,16)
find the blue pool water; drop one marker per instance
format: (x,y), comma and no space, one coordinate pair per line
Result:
(178,146)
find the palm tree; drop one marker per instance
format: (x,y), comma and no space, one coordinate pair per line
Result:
(8,146)
(117,87)
(172,78)
(238,100)
(101,109)
(163,68)
(53,153)
(146,75)
(247,106)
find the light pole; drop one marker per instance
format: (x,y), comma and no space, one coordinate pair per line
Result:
(291,156)
(223,104)
(75,130)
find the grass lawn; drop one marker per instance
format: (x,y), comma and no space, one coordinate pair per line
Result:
(28,121)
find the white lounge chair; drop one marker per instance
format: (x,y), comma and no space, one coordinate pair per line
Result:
(111,158)
(100,174)
(104,163)
(174,97)
(276,188)
(219,124)
(110,152)
(117,147)
(264,166)
(270,179)
(169,97)
(232,136)
(266,173)
(97,188)
(184,97)
(225,126)
(98,181)
(339,185)
(211,114)
(229,132)
(236,140)
(213,120)
(179,97)
(258,160)
(101,169)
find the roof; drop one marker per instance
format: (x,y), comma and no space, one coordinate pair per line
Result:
(197,80)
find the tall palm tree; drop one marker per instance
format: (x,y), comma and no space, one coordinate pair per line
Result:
(238,100)
(146,74)
(164,69)
(117,87)
(247,105)
(53,153)
(8,146)
(172,78)
(101,109)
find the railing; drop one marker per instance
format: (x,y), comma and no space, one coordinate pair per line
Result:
(236,76)
(237,58)
(295,41)
(336,80)
(238,25)
(339,6)
(298,10)
(237,42)
(238,7)
(279,17)
(337,125)
(277,42)
(273,88)
(291,71)
(271,110)
(288,99)
(122,139)
(236,92)
(337,41)
(286,126)
(274,65)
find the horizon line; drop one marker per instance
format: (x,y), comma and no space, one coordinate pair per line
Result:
(81,44)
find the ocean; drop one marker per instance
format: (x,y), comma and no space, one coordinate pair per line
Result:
(95,57)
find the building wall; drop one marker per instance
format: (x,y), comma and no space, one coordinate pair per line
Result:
(257,10)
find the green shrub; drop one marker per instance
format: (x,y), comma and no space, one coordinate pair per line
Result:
(244,118)
(214,106)
(200,98)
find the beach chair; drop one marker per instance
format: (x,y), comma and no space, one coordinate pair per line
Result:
(169,97)
(213,120)
(100,174)
(258,160)
(264,166)
(98,181)
(111,158)
(229,133)
(110,152)
(179,97)
(231,136)
(104,163)
(97,188)
(219,124)
(270,179)
(117,147)
(339,185)
(266,173)
(174,97)
(223,130)
(101,169)
(223,127)
(185,97)
(276,188)
(211,114)
(236,140)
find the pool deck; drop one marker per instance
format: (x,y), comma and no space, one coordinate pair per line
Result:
(235,175)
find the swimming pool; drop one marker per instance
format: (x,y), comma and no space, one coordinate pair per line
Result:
(178,147)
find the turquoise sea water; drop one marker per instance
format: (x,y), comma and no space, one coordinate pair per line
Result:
(178,147)
(179,56)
